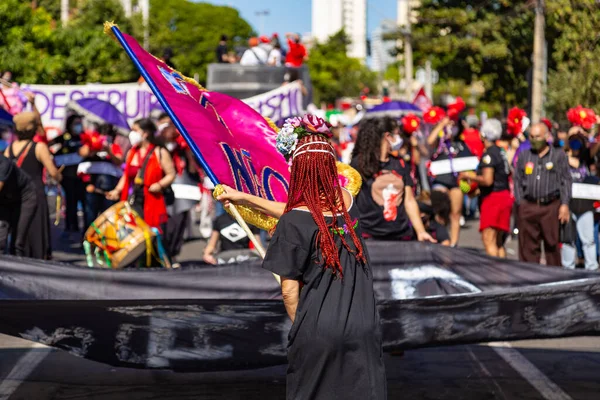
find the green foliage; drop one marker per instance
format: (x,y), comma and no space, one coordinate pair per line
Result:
(37,49)
(192,31)
(334,74)
(576,51)
(488,41)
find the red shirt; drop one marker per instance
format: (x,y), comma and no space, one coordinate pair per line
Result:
(295,56)
(472,139)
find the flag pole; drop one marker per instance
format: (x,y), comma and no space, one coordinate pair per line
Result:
(193,147)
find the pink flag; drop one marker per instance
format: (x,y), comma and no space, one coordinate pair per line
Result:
(234,144)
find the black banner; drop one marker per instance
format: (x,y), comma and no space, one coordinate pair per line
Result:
(204,318)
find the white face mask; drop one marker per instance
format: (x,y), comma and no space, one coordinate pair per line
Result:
(135,138)
(171,146)
(162,127)
(396,143)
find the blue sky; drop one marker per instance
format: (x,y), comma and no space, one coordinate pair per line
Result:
(294,15)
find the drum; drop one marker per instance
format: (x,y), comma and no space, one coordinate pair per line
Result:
(118,237)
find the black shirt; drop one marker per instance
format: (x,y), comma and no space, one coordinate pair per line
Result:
(371,214)
(221,53)
(65,149)
(231,235)
(15,182)
(438,231)
(543,177)
(494,157)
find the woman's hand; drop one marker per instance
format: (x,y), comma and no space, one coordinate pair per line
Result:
(209,259)
(425,237)
(232,195)
(155,188)
(113,195)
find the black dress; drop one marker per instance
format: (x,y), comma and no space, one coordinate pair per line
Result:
(334,349)
(38,238)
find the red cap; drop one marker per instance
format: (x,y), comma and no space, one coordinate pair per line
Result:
(264,39)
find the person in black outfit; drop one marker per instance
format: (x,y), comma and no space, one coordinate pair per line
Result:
(66,153)
(383,176)
(235,243)
(334,348)
(222,52)
(32,158)
(18,202)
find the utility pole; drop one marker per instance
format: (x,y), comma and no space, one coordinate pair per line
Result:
(539,42)
(64,12)
(403,20)
(127,7)
(428,80)
(145,8)
(261,17)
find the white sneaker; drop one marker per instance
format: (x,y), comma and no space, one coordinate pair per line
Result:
(462,221)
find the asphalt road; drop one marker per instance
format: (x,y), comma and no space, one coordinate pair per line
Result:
(561,369)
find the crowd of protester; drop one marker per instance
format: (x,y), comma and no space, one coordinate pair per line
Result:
(264,50)
(522,184)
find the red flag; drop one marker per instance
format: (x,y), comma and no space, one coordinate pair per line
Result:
(422,101)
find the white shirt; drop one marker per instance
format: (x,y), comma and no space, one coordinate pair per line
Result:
(275,58)
(254,56)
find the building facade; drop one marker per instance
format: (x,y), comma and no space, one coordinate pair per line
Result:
(330,16)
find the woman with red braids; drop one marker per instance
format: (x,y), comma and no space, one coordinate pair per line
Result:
(334,348)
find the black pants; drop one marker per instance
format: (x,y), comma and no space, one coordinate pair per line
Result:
(74,192)
(15,220)
(174,233)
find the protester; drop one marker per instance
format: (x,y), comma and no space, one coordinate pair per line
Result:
(231,240)
(495,199)
(186,174)
(222,52)
(32,158)
(335,339)
(254,55)
(275,58)
(12,98)
(435,214)
(18,204)
(386,200)
(102,160)
(446,137)
(148,175)
(582,210)
(296,55)
(543,193)
(66,154)
(265,44)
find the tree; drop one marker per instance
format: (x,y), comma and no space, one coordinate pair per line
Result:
(483,40)
(37,49)
(576,52)
(334,74)
(192,31)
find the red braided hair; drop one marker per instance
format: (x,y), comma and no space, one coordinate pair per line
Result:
(314,184)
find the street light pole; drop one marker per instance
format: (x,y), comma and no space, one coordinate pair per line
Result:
(408,55)
(537,90)
(261,17)
(64,12)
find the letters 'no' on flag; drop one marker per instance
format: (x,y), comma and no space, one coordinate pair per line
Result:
(233,143)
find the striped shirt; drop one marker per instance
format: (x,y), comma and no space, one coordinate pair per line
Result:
(538,178)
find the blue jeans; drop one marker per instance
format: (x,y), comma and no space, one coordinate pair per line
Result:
(585,233)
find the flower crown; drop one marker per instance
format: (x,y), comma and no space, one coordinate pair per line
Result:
(296,128)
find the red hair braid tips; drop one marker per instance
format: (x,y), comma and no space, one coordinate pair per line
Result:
(314,184)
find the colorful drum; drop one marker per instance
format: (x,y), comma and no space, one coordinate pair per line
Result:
(118,237)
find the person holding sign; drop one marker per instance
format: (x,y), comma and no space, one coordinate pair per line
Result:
(543,193)
(326,280)
(582,210)
(495,199)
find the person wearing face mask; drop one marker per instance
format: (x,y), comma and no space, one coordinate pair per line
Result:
(149,173)
(582,210)
(386,202)
(100,170)
(66,155)
(495,199)
(445,139)
(542,185)
(187,177)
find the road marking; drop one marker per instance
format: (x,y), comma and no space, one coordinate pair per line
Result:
(22,369)
(486,372)
(536,378)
